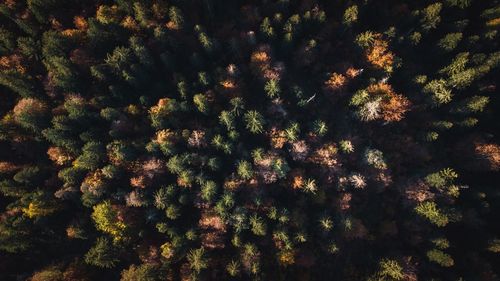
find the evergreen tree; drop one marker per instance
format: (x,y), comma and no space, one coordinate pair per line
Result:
(102,254)
(254,121)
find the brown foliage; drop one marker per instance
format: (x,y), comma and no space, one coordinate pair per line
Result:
(379,55)
(29,105)
(228,84)
(12,62)
(352,72)
(299,150)
(213,229)
(138,181)
(490,153)
(275,72)
(344,201)
(129,23)
(55,23)
(73,33)
(418,191)
(335,82)
(358,181)
(394,108)
(7,167)
(264,167)
(11,4)
(260,58)
(297,178)
(278,138)
(59,155)
(145,171)
(325,155)
(233,183)
(262,66)
(197,139)
(165,136)
(171,25)
(80,23)
(94,183)
(393,105)
(135,199)
(380,89)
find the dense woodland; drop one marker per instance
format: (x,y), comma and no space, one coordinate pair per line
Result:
(249,140)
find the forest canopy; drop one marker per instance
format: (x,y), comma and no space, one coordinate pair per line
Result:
(154,140)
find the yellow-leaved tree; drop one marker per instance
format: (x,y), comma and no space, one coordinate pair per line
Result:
(106,218)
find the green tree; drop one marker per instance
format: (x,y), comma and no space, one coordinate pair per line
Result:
(102,254)
(31,114)
(7,41)
(292,131)
(365,39)
(440,258)
(450,41)
(346,146)
(52,273)
(430,16)
(244,169)
(439,90)
(28,47)
(142,14)
(272,88)
(375,158)
(494,246)
(201,103)
(254,121)
(62,73)
(176,17)
(233,268)
(391,270)
(93,155)
(441,178)
(71,176)
(266,28)
(42,8)
(15,234)
(28,175)
(326,223)
(350,15)
(462,4)
(430,211)
(319,127)
(258,225)
(208,190)
(143,272)
(457,65)
(197,259)
(237,106)
(21,84)
(226,118)
(141,51)
(463,79)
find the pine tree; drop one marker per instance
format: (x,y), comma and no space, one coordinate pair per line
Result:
(102,254)
(197,260)
(244,170)
(440,258)
(272,88)
(254,121)
(31,114)
(431,16)
(350,15)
